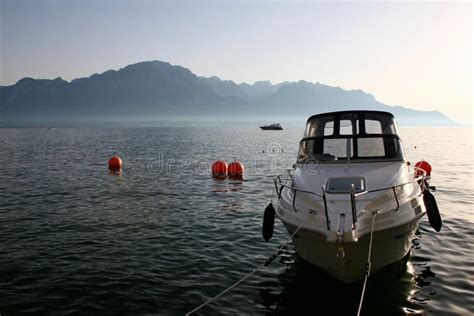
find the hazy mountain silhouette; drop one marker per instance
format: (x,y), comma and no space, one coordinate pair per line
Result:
(157,89)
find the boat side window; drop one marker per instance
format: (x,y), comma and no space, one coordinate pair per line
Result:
(370,147)
(310,129)
(373,127)
(329,128)
(375,124)
(346,127)
(336,147)
(379,147)
(390,128)
(320,127)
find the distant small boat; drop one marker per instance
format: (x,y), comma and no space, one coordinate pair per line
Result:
(275,126)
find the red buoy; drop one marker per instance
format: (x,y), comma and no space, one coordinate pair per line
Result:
(219,168)
(115,163)
(423,165)
(236,170)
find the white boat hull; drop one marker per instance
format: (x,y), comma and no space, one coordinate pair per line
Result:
(388,246)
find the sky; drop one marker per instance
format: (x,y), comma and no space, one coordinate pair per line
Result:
(417,55)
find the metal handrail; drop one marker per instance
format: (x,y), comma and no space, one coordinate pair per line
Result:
(353,206)
(353,194)
(328,222)
(396,199)
(294,200)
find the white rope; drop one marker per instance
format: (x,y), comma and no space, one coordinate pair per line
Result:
(267,262)
(367,272)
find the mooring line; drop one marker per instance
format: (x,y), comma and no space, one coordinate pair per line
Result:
(368,264)
(266,263)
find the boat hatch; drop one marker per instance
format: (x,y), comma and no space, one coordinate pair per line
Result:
(343,184)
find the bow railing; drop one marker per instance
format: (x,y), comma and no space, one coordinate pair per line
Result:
(288,182)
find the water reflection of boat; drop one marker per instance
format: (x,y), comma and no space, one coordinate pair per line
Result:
(368,194)
(274,126)
(294,288)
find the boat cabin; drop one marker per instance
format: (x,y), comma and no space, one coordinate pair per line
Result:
(351,136)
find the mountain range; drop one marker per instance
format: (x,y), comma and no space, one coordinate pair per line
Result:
(156,89)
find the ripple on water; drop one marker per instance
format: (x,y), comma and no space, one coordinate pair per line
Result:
(76,239)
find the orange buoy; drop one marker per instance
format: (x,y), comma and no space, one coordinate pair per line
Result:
(423,165)
(115,163)
(236,170)
(219,168)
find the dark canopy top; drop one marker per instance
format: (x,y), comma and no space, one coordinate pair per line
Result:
(349,112)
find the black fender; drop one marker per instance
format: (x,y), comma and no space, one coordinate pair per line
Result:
(268,222)
(432,210)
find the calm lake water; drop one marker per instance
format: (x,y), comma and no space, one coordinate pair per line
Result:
(163,236)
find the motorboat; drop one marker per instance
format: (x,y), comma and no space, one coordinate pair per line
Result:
(274,126)
(352,202)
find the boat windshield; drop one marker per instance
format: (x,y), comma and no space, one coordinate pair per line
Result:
(351,136)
